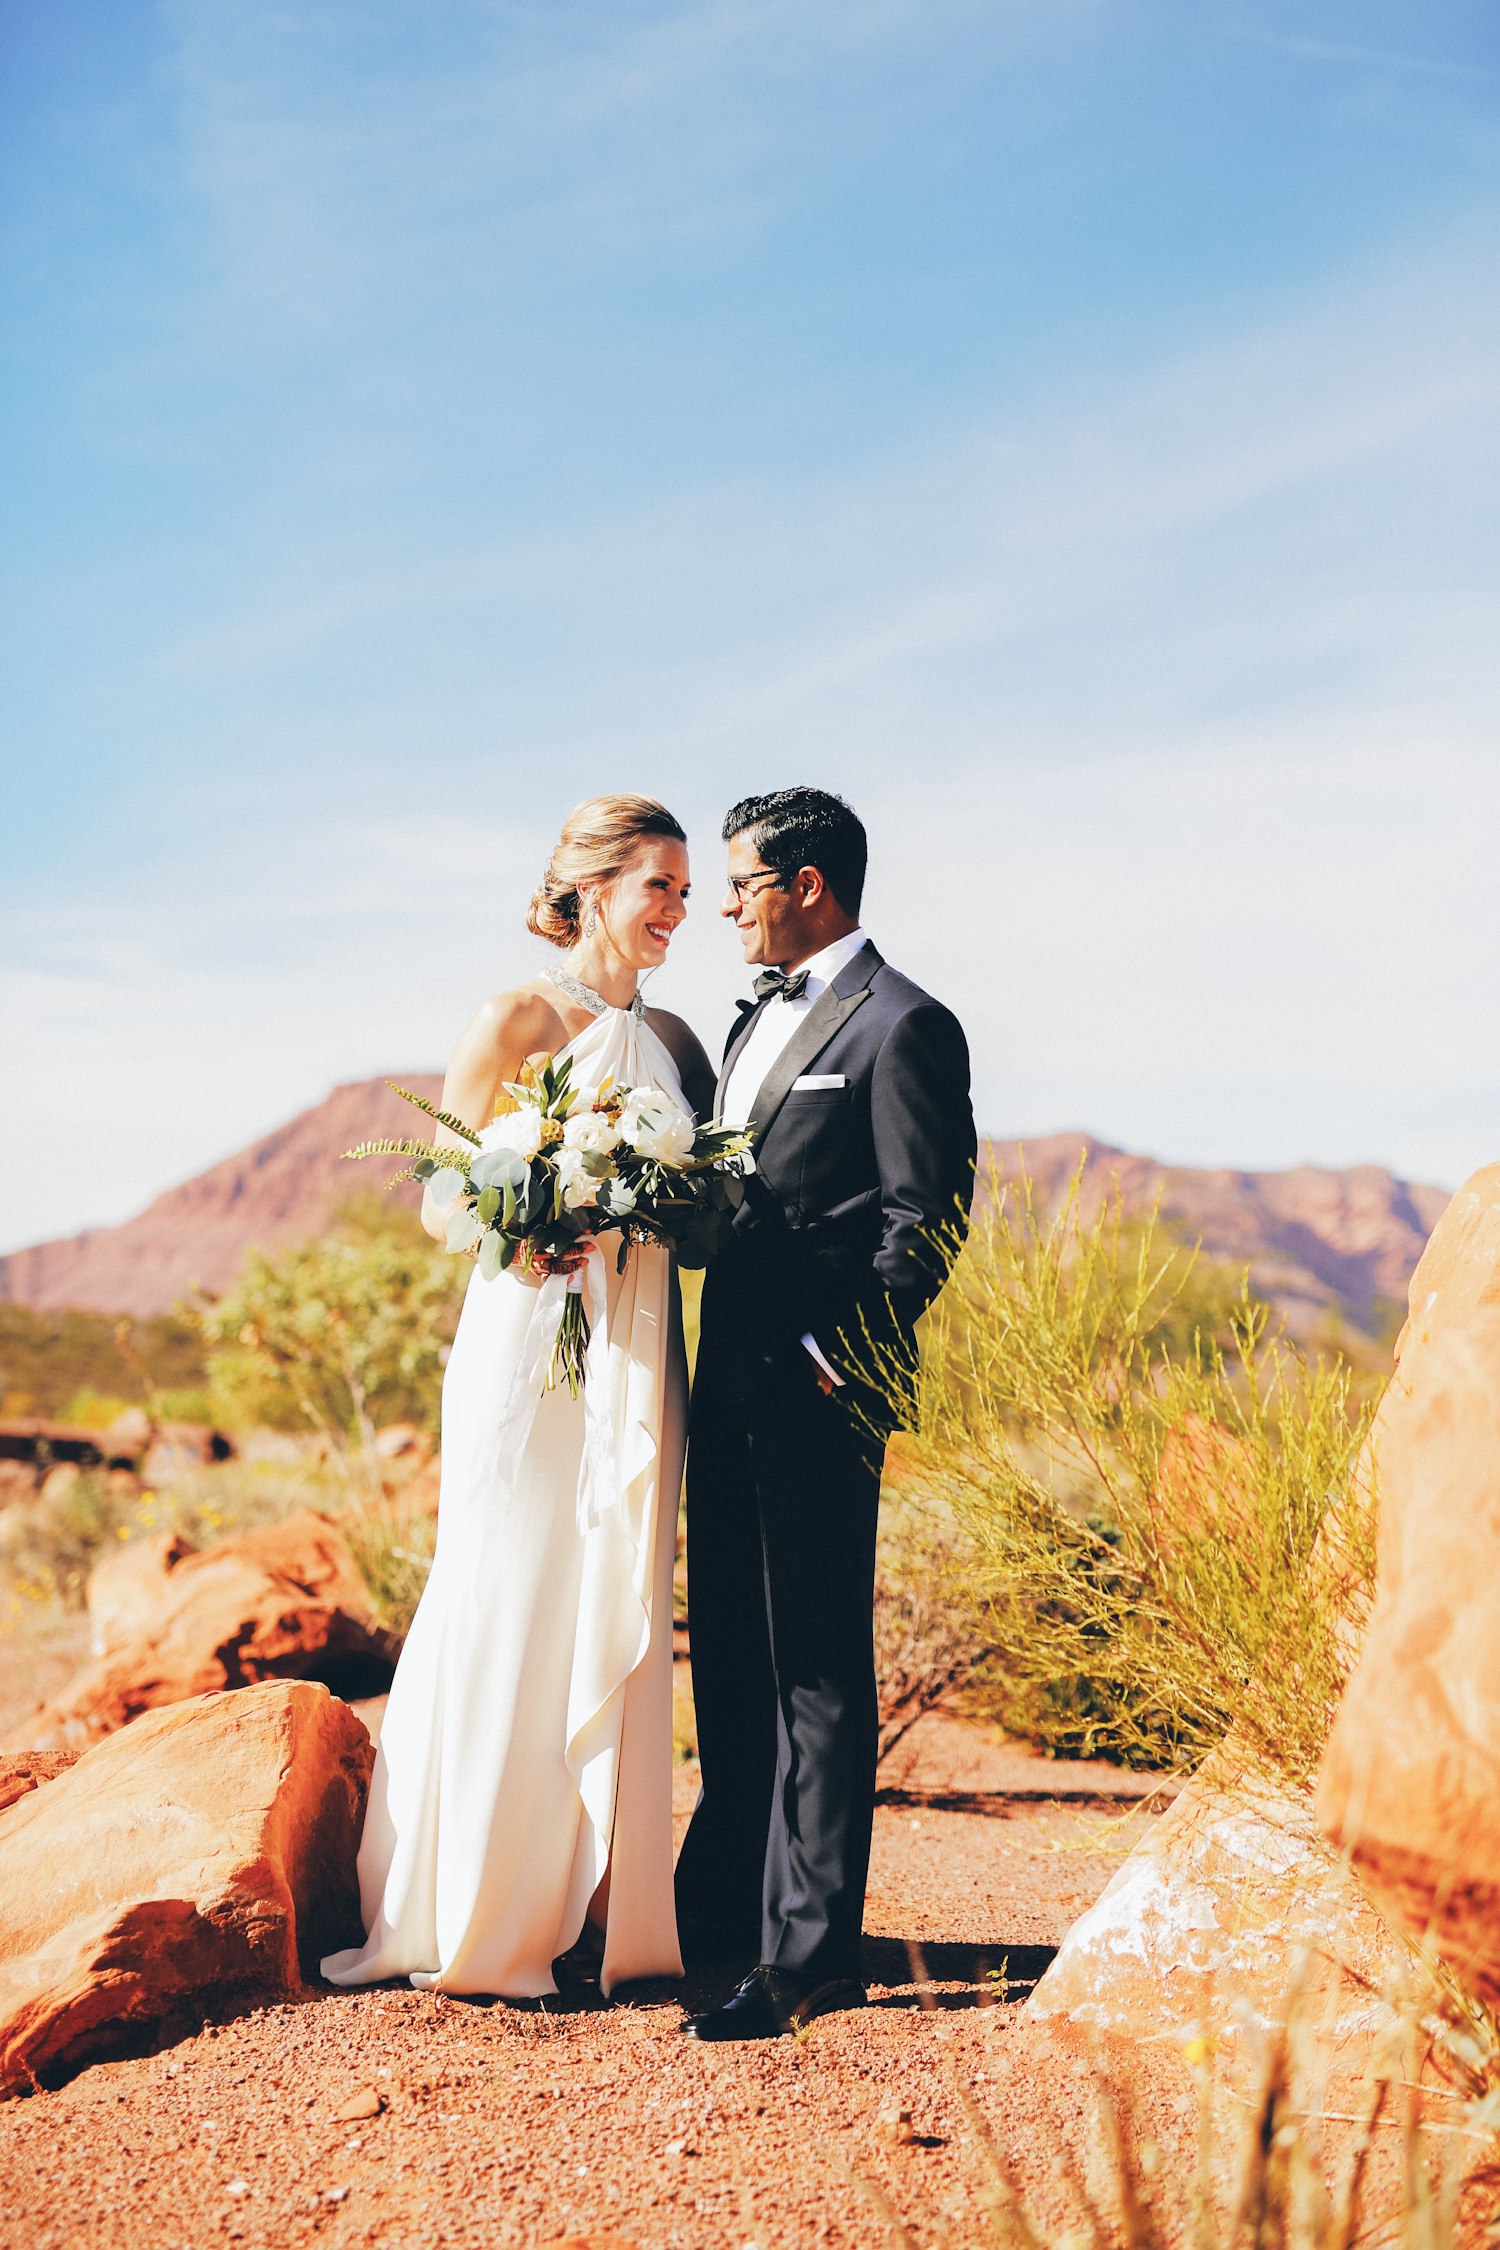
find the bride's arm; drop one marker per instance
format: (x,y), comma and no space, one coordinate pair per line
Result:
(505,1031)
(693,1066)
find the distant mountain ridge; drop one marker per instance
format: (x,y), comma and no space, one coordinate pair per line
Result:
(280,1189)
(1312,1238)
(1315,1241)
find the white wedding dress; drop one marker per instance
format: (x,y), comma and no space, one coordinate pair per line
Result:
(527,1745)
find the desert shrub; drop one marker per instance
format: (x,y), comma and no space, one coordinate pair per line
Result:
(1159,1533)
(927,1645)
(341,1332)
(394,1549)
(95,1410)
(692,1301)
(49,1545)
(48,1358)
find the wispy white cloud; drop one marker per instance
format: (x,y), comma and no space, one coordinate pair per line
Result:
(1363,57)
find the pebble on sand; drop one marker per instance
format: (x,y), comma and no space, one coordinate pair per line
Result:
(364,2102)
(895,2128)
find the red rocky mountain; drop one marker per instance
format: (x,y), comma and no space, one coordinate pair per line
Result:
(1310,1237)
(281,1189)
(1314,1240)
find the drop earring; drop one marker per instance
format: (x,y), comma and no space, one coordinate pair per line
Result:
(591,918)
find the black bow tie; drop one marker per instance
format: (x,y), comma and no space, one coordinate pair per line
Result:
(772,982)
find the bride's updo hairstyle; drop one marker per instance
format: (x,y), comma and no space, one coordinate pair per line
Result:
(600,838)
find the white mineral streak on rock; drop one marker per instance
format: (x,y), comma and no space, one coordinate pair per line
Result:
(1206,1923)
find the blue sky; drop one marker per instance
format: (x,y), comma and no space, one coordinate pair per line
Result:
(1068,429)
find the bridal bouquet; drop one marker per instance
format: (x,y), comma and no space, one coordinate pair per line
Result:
(563,1161)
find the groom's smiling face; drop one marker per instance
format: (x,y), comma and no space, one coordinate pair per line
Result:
(772,922)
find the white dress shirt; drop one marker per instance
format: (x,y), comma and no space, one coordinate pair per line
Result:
(775,1024)
(774,1027)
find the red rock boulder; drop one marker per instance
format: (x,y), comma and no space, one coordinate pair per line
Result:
(1410,1781)
(21,1771)
(205,1853)
(1206,1927)
(127,1590)
(177,1447)
(285,1602)
(1457,1274)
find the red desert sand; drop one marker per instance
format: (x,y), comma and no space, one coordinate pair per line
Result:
(405,2118)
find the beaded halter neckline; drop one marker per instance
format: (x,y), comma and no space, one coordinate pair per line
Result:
(587,997)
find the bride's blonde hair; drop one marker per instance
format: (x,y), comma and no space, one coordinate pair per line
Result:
(599,839)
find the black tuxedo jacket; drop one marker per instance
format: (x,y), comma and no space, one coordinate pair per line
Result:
(833,1236)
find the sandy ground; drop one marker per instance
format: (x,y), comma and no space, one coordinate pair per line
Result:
(531,2123)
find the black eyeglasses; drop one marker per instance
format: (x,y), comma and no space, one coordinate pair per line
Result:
(765,878)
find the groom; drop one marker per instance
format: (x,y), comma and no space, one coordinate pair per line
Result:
(857,1085)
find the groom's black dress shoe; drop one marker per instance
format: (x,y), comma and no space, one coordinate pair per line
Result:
(771,2002)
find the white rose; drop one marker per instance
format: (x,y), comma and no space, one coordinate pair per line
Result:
(578,1188)
(519,1130)
(591,1133)
(663,1132)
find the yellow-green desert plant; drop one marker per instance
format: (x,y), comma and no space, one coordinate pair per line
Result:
(1160,1533)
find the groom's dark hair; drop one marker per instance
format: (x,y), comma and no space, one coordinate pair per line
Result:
(794,828)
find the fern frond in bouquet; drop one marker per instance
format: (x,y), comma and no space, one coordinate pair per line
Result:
(419,1101)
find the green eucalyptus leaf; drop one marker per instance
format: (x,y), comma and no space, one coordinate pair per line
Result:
(464,1230)
(446,1186)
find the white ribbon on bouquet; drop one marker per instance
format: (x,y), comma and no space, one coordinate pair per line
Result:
(597,1486)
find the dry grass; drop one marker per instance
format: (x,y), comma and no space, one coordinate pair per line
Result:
(926,1644)
(1266,2176)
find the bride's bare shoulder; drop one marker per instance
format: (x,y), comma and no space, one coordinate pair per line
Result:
(514,1024)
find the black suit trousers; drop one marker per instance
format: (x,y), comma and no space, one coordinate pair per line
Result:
(783,1496)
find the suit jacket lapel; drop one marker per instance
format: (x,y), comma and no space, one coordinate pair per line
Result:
(835,1004)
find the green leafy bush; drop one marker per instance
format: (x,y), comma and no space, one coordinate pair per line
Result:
(341,1333)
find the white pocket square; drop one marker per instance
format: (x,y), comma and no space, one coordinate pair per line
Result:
(818,1085)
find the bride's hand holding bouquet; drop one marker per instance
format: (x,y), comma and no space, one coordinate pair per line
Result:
(562,1164)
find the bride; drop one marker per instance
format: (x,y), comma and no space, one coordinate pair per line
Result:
(523,1783)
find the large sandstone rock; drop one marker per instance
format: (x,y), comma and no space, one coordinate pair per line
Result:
(1410,1783)
(1207,1927)
(208,1852)
(1457,1274)
(285,1602)
(21,1771)
(127,1590)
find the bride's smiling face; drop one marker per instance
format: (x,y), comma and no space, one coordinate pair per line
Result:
(644,904)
